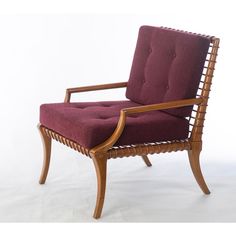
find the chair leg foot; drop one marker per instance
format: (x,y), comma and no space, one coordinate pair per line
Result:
(100,164)
(194,156)
(146,160)
(47,143)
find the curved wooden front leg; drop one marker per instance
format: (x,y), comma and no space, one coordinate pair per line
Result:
(100,164)
(194,155)
(47,143)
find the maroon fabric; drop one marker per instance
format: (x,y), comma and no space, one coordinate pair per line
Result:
(167,66)
(91,123)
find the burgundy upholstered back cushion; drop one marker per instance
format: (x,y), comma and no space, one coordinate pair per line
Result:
(167,66)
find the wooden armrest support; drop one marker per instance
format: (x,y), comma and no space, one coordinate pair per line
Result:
(163,106)
(140,109)
(69,91)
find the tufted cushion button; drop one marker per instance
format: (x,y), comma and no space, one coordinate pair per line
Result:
(174,55)
(167,86)
(103,118)
(150,50)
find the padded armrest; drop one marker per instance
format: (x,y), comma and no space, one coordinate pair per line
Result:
(69,91)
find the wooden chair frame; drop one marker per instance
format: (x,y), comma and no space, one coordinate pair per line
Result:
(106,150)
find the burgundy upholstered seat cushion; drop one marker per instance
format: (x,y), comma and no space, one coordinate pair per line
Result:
(167,66)
(90,123)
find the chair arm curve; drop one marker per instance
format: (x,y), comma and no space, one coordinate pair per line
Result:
(107,144)
(69,91)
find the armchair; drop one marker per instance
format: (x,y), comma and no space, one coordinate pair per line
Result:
(167,96)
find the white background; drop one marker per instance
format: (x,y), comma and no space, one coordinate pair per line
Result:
(42,54)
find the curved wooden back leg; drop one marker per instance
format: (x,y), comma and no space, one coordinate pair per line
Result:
(47,143)
(100,164)
(194,155)
(146,160)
